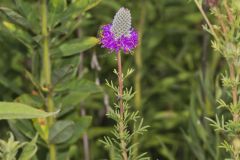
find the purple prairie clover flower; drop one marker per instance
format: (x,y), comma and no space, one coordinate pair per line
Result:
(119,35)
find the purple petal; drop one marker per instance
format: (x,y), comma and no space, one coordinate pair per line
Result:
(124,43)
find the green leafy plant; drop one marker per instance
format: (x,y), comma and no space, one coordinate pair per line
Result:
(175,79)
(226,42)
(49,43)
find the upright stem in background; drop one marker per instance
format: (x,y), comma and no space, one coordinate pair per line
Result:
(47,73)
(85,140)
(83,111)
(138,58)
(46,57)
(138,76)
(120,96)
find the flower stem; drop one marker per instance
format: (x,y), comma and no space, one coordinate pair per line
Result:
(47,74)
(120,84)
(120,95)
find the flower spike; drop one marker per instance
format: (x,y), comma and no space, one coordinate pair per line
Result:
(119,35)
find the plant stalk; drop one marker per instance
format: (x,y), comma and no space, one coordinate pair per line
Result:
(47,74)
(235,115)
(138,58)
(85,140)
(120,96)
(232,70)
(120,84)
(138,76)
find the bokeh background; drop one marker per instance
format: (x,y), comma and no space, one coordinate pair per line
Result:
(176,75)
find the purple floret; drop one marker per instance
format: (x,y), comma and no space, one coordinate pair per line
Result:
(125,42)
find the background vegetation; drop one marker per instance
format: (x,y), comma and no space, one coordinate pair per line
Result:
(175,71)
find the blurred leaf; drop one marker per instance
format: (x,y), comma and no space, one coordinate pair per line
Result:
(81,85)
(31,100)
(170,119)
(76,46)
(61,131)
(98,131)
(74,98)
(26,7)
(74,10)
(14,17)
(81,125)
(23,128)
(166,152)
(56,7)
(92,4)
(11,110)
(17,33)
(76,91)
(29,149)
(12,86)
(63,155)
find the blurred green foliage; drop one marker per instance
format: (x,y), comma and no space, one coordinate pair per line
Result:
(179,75)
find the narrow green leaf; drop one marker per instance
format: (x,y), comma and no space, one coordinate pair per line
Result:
(11,110)
(77,91)
(74,98)
(75,9)
(56,8)
(76,46)
(14,17)
(92,5)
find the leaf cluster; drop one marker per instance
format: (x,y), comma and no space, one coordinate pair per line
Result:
(131,122)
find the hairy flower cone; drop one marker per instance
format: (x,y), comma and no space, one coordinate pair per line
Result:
(121,23)
(119,35)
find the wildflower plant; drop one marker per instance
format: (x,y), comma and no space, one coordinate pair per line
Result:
(48,105)
(226,42)
(120,36)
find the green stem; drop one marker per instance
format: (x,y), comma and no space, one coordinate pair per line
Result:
(138,58)
(47,74)
(120,95)
(46,57)
(138,76)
